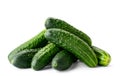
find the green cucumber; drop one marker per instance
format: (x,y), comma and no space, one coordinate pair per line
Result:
(63,60)
(104,57)
(23,58)
(73,44)
(60,24)
(36,42)
(44,56)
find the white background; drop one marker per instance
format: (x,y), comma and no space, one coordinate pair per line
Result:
(22,19)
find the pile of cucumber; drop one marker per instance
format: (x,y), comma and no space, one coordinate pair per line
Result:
(59,45)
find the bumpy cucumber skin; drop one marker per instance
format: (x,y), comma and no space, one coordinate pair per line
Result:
(36,42)
(23,58)
(73,44)
(60,24)
(63,60)
(44,56)
(104,57)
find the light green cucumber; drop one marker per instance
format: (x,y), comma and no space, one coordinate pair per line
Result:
(103,57)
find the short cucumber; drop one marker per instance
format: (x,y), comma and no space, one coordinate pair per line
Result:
(104,58)
(60,24)
(23,58)
(44,56)
(63,60)
(73,44)
(36,42)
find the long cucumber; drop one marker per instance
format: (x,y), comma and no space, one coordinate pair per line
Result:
(60,24)
(73,44)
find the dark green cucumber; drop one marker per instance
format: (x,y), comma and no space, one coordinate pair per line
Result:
(36,42)
(44,56)
(63,60)
(23,58)
(73,44)
(60,24)
(104,58)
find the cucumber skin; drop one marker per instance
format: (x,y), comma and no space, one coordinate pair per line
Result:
(103,57)
(73,44)
(63,60)
(44,56)
(35,42)
(60,24)
(23,58)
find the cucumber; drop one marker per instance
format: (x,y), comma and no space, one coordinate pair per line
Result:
(104,57)
(73,44)
(23,58)
(63,60)
(44,56)
(60,24)
(36,42)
